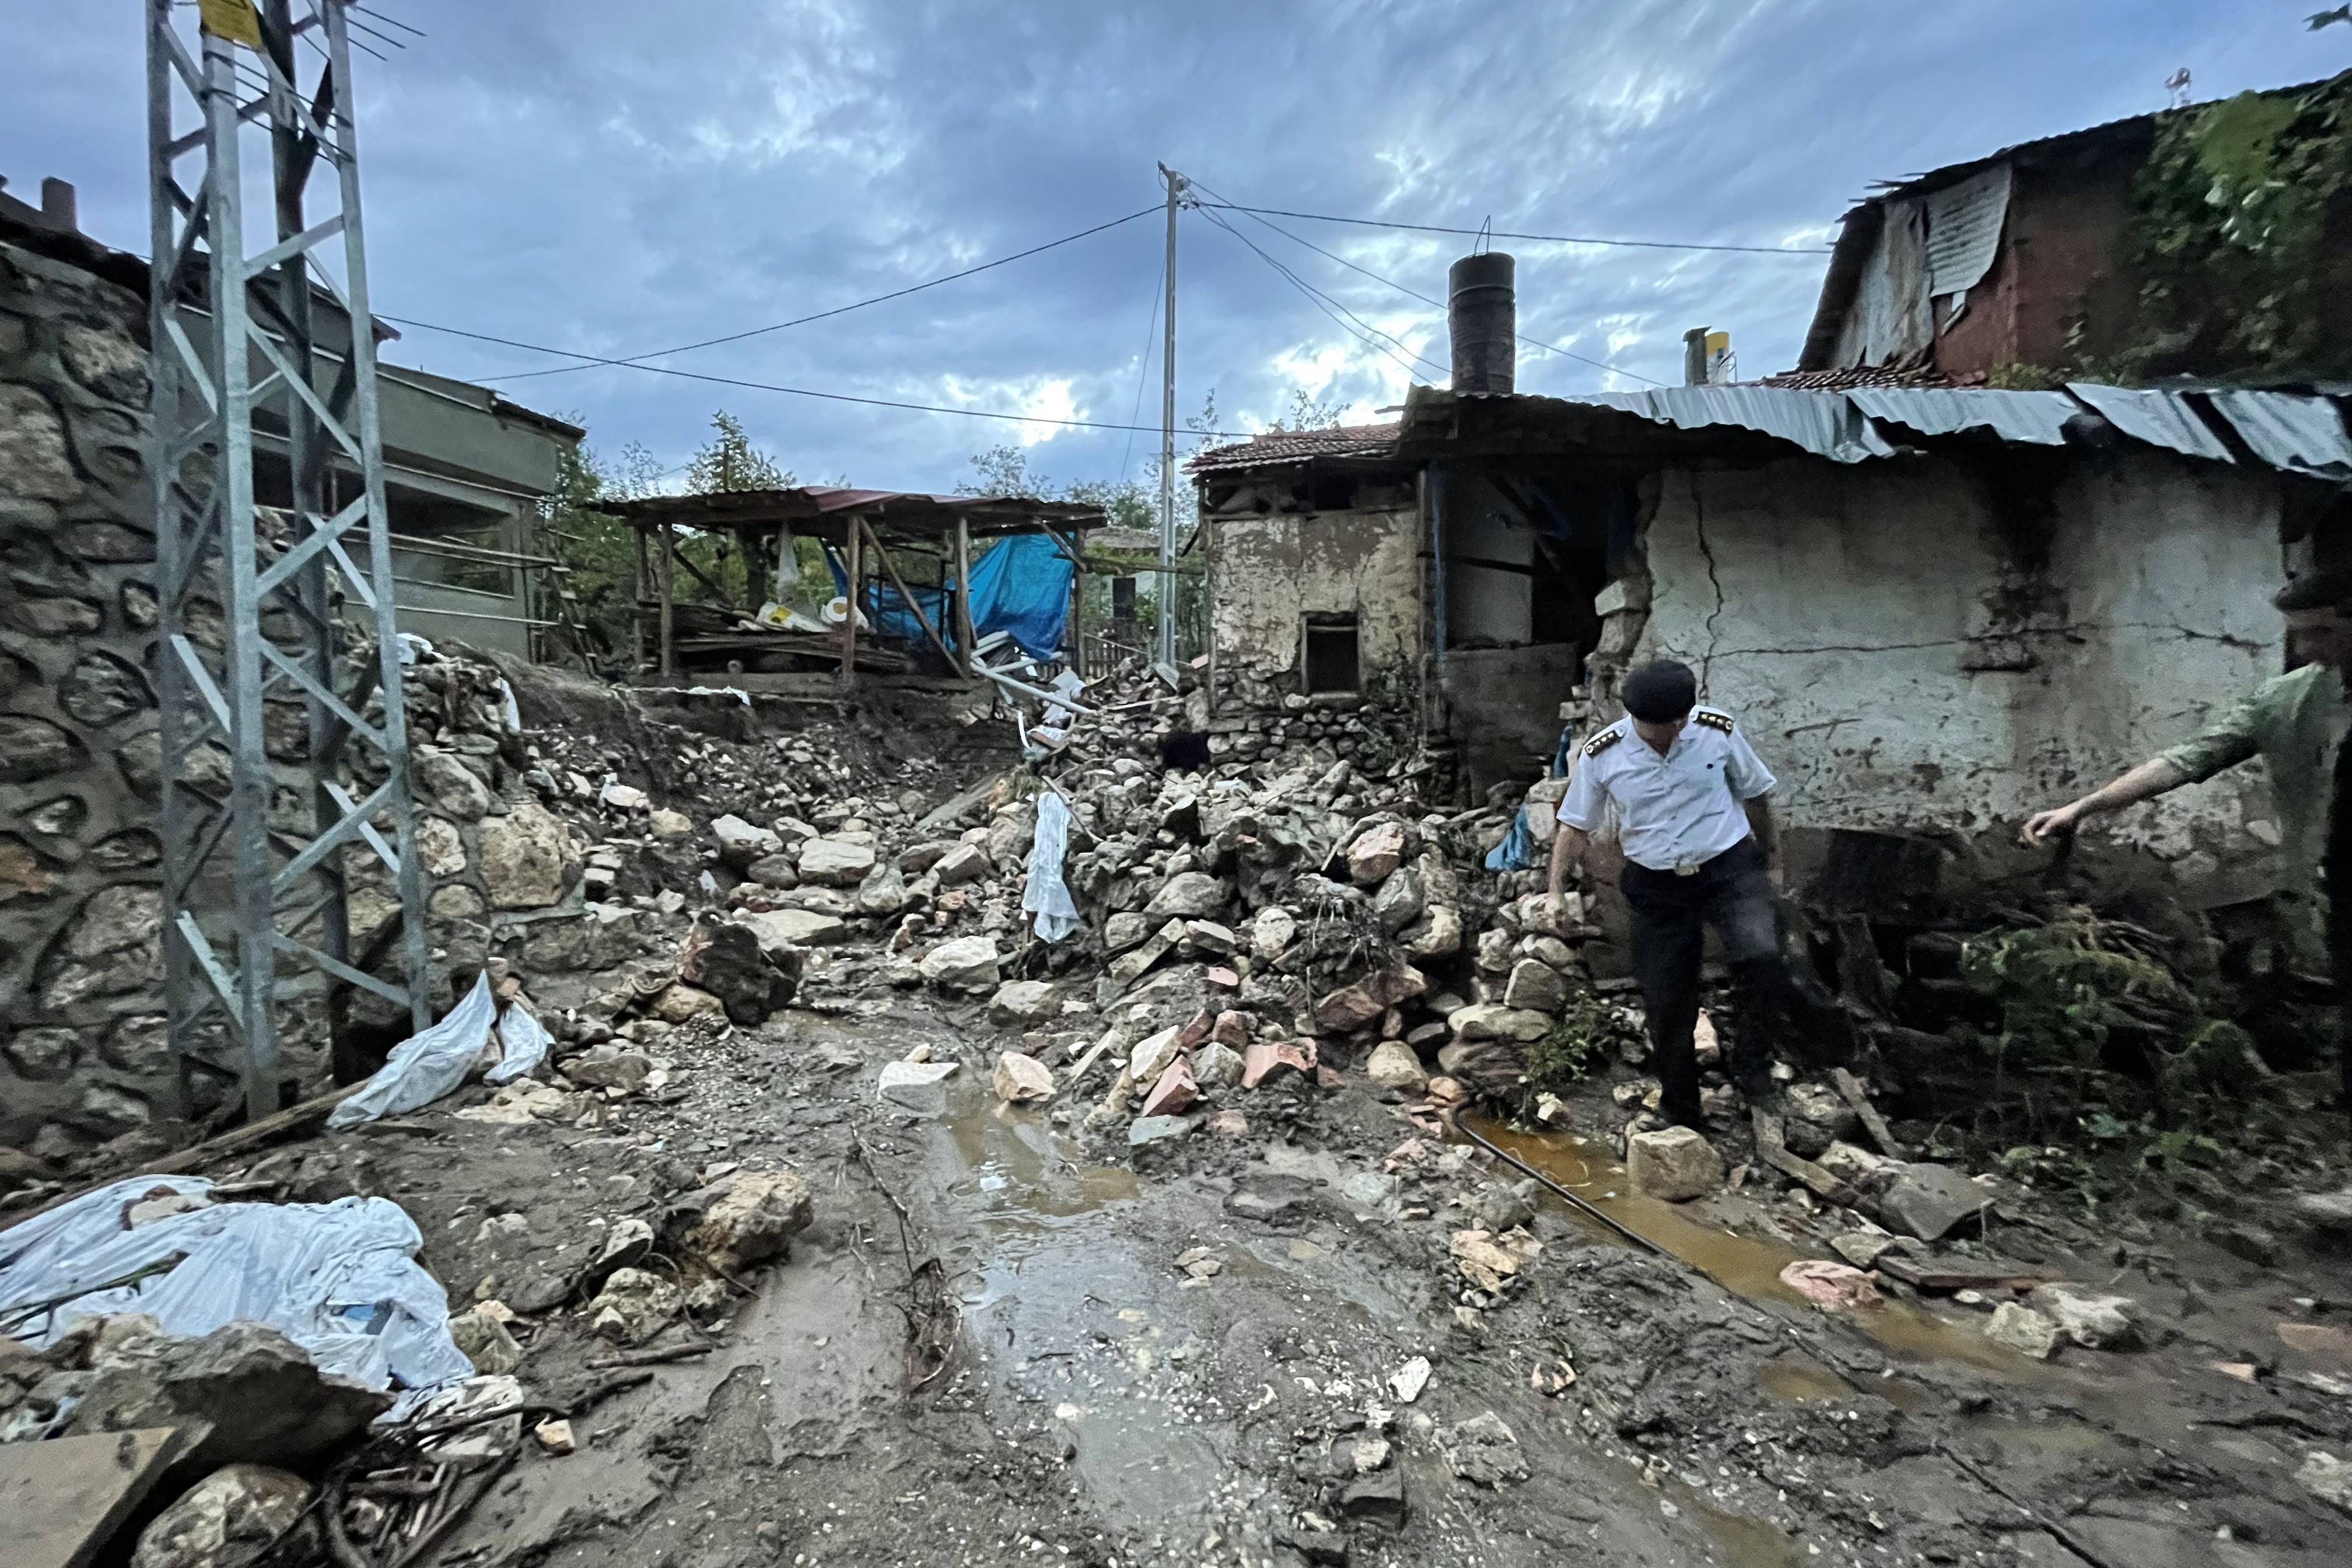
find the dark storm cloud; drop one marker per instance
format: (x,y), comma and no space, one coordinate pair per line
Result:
(615,178)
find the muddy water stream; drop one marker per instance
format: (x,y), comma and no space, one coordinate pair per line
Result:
(1743,1264)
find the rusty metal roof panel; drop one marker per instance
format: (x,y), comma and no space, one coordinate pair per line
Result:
(2303,434)
(2163,420)
(2035,418)
(1822,423)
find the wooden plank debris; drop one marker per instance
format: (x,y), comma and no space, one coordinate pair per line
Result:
(65,1498)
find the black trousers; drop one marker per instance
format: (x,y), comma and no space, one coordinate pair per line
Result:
(1733,893)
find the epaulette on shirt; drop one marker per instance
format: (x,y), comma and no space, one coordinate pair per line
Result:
(1713,719)
(1603,740)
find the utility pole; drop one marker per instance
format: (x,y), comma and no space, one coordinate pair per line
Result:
(1164,645)
(255,913)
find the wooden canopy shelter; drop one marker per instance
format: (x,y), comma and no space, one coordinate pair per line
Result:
(868,529)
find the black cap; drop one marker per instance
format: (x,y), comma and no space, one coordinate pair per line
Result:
(2324,588)
(1660,692)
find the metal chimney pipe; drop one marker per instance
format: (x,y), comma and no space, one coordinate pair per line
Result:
(1483,317)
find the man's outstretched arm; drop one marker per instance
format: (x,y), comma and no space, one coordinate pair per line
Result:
(2153,777)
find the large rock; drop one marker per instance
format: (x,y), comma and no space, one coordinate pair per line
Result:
(1436,934)
(1394,1065)
(1483,1450)
(634,1306)
(740,844)
(1353,1006)
(1187,895)
(1376,852)
(609,1066)
(265,1402)
(1927,1201)
(1023,1080)
(1535,985)
(967,963)
(226,1520)
(963,863)
(678,1002)
(603,936)
(1676,1163)
(919,1087)
(1272,932)
(1495,1021)
(752,1221)
(1174,1092)
(1400,900)
(2022,1330)
(730,962)
(2326,1478)
(2090,1319)
(835,862)
(1025,1004)
(449,784)
(523,854)
(1497,953)
(780,929)
(883,891)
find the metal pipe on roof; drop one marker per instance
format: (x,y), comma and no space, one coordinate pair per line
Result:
(1482,319)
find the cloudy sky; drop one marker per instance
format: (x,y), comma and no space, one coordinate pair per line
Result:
(615,178)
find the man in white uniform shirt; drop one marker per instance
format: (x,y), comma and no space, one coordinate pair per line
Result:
(1696,826)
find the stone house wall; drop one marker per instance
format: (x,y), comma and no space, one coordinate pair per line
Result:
(84,1057)
(83,1047)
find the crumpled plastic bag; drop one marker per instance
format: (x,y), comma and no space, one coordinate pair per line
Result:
(1045,895)
(522,1045)
(425,1066)
(340,1280)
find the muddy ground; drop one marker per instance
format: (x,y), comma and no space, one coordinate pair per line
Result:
(984,1350)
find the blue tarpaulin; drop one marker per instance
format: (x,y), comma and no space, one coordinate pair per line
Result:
(1021,586)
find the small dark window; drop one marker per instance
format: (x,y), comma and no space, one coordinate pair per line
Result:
(1334,492)
(1331,654)
(1122,598)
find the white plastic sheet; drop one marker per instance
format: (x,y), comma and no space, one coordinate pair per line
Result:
(425,1066)
(1046,895)
(522,1045)
(340,1280)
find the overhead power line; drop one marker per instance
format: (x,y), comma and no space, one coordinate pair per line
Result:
(1400,287)
(1372,337)
(804,391)
(1547,238)
(591,360)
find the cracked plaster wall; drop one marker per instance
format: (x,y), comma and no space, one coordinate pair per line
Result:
(1900,669)
(1268,572)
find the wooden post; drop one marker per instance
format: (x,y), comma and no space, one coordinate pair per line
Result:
(637,602)
(669,600)
(1077,617)
(899,582)
(854,558)
(965,637)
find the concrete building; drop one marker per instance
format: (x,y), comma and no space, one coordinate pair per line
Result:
(464,468)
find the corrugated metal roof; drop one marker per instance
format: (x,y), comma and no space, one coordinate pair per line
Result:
(2159,419)
(2305,434)
(2037,418)
(1820,422)
(1283,447)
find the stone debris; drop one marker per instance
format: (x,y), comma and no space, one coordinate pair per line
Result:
(1676,1163)
(634,1306)
(919,1087)
(751,1219)
(1024,1081)
(555,1438)
(2088,1317)
(1483,1450)
(1839,1286)
(2326,1478)
(1406,1383)
(226,1520)
(2022,1330)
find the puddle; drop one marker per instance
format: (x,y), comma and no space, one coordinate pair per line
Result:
(1023,1176)
(1740,1264)
(1738,1539)
(1796,1380)
(2054,1438)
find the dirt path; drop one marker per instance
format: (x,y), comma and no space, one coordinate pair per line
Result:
(985,1350)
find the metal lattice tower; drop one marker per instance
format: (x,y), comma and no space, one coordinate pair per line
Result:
(249,618)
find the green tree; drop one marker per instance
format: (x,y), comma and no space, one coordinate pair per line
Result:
(598,549)
(728,461)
